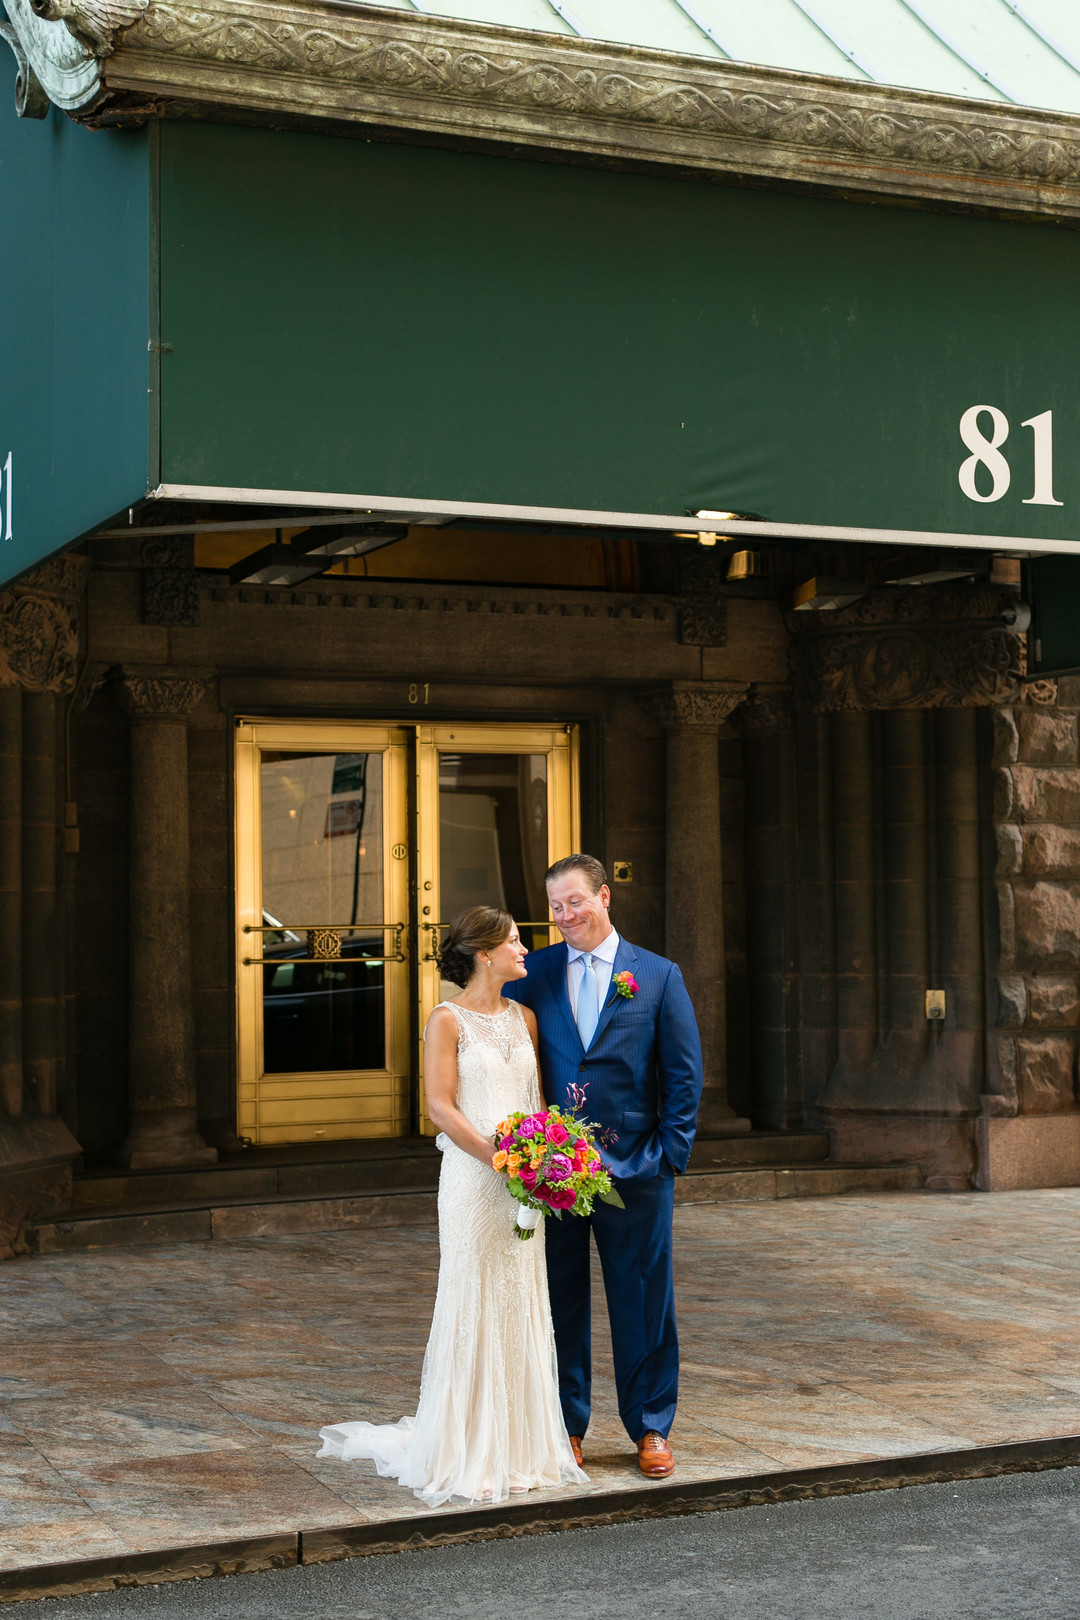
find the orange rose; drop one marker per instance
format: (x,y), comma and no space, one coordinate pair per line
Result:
(499,1161)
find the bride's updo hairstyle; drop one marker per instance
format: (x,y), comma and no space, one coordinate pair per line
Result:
(480,928)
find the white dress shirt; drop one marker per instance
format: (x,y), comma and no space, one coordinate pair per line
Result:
(603,964)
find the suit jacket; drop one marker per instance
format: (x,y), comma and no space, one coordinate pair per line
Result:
(643,1066)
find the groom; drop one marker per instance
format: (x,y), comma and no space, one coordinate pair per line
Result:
(640,1057)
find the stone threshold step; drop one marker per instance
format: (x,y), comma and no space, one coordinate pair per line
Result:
(804,1181)
(143,1189)
(232,1220)
(569,1510)
(761,1148)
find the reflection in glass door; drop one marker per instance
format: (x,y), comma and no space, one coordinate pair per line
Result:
(495,806)
(322,887)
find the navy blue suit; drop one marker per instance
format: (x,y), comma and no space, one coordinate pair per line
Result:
(643,1072)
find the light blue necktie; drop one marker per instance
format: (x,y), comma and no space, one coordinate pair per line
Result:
(588,1011)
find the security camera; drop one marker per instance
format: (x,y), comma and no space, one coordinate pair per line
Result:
(1016,616)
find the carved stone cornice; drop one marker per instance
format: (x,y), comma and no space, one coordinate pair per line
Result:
(918,648)
(155,693)
(695,705)
(39,627)
(329,61)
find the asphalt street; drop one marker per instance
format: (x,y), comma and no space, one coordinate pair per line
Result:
(1002,1547)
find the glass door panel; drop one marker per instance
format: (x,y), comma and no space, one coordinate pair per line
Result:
(322,891)
(495,806)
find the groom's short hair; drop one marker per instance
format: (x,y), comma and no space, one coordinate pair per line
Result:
(588,865)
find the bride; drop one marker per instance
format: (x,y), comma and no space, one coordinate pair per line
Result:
(488,1424)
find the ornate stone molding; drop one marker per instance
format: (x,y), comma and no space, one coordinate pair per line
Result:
(66,69)
(30,99)
(401,596)
(156,693)
(170,585)
(96,24)
(686,704)
(702,605)
(324,60)
(909,648)
(765,710)
(39,627)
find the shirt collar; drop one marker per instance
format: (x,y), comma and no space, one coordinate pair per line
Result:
(605,951)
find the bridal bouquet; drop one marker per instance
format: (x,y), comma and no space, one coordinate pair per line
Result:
(552,1165)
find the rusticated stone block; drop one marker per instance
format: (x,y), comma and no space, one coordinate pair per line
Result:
(1006,737)
(1068,692)
(1004,795)
(1001,1074)
(1043,793)
(1006,925)
(1012,1001)
(1047,926)
(1029,1151)
(1010,848)
(1053,1003)
(1046,1073)
(1049,851)
(1047,737)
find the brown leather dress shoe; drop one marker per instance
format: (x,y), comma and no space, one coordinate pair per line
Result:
(654,1456)
(575,1447)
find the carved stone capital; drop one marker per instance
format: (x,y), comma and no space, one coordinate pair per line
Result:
(765,711)
(154,693)
(39,627)
(946,667)
(697,704)
(909,648)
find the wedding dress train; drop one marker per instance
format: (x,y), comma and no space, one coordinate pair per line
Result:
(488,1423)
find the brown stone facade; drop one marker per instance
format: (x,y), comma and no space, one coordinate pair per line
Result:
(1032,1045)
(810,808)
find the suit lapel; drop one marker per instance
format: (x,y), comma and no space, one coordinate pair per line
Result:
(625,957)
(557,982)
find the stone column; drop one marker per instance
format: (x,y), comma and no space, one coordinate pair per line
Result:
(772,922)
(162,1028)
(39,658)
(11,1047)
(692,713)
(42,944)
(855,909)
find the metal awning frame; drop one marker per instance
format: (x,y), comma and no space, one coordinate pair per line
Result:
(341,508)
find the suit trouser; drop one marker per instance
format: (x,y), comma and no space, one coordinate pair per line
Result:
(635,1246)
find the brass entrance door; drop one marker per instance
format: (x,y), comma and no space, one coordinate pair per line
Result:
(495,806)
(342,894)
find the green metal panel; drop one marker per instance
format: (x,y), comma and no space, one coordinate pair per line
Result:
(75,289)
(388,320)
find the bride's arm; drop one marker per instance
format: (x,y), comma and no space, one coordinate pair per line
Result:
(440,1087)
(534,1035)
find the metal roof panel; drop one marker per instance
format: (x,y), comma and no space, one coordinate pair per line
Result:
(1026,51)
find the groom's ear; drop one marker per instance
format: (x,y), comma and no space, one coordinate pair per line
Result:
(605,896)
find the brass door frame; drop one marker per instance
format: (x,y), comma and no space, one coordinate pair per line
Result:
(263,1101)
(560,743)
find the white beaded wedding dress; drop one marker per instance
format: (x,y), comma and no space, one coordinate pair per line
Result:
(488,1424)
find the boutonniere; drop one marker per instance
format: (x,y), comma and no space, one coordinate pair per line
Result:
(626,985)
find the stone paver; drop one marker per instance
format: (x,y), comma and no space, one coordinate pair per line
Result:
(162,1396)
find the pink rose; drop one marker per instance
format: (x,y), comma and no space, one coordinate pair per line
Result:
(506,1144)
(557,1134)
(530,1126)
(563,1197)
(560,1168)
(528,1179)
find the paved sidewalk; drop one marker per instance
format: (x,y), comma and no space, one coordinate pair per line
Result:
(158,1397)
